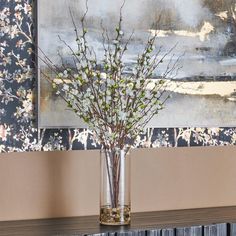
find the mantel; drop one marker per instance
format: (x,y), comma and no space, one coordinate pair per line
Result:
(219,221)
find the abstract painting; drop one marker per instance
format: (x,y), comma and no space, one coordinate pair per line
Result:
(202,34)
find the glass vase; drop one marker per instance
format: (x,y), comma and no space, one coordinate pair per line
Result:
(115,187)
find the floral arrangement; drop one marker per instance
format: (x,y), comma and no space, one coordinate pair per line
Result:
(115,105)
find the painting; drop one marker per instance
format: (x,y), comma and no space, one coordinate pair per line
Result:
(202,34)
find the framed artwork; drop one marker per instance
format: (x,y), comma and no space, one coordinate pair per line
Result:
(202,34)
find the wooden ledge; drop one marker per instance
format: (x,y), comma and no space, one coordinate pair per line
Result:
(191,222)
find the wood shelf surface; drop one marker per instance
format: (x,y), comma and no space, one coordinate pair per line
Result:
(189,222)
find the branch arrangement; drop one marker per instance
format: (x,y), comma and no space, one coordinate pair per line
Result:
(115,105)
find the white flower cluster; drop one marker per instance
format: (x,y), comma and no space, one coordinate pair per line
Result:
(116,106)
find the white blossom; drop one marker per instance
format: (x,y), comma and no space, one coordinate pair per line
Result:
(103,75)
(122,115)
(66,87)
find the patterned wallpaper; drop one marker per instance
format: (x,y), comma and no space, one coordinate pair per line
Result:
(18,125)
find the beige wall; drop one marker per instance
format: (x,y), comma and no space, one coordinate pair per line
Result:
(60,184)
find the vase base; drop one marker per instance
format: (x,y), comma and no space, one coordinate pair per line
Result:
(115,216)
(115,224)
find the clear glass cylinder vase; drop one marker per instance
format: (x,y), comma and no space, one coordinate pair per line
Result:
(115,187)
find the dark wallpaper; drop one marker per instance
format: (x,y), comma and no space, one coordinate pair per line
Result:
(18,125)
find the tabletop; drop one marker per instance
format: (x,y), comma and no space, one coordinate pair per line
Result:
(217,221)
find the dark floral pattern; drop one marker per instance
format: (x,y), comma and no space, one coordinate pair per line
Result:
(18,125)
